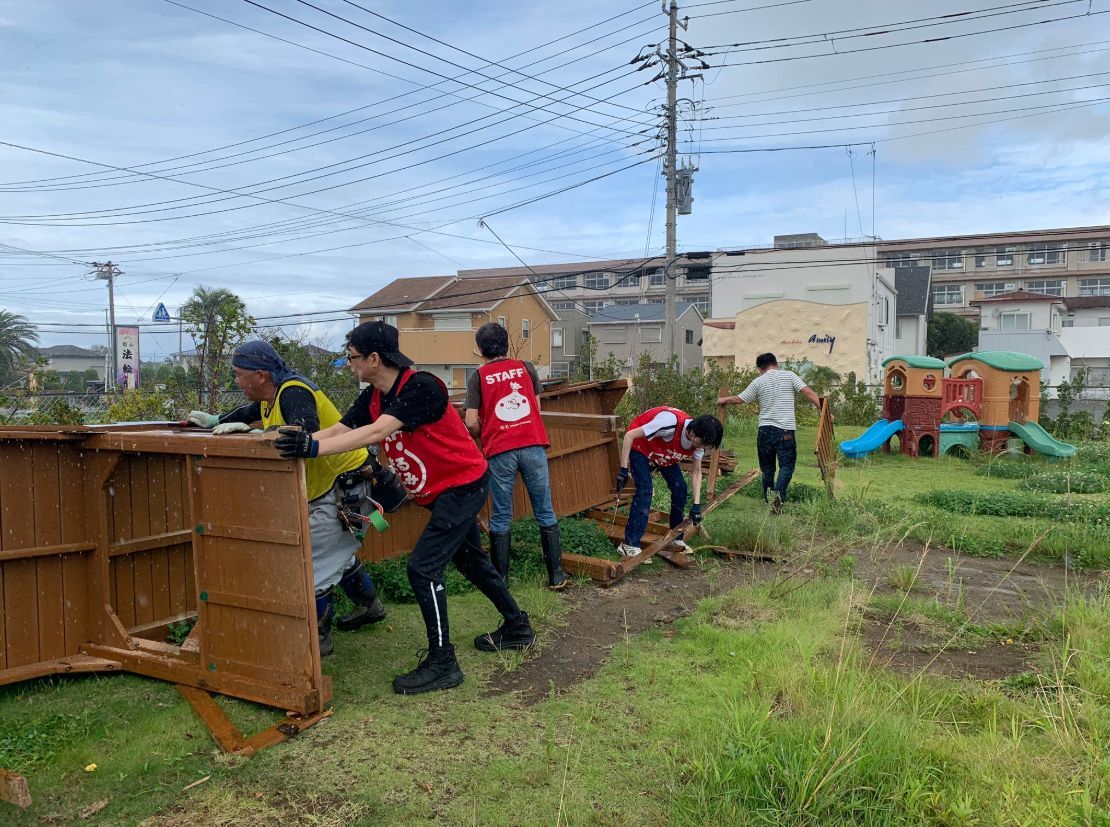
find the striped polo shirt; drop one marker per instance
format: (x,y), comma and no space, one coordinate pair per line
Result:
(775,390)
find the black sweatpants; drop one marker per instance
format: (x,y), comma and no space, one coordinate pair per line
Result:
(452,535)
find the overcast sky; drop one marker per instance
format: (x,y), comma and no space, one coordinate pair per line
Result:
(1010,124)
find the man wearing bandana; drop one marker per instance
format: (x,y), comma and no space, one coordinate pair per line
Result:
(279,396)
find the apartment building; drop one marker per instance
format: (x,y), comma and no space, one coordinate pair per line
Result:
(592,285)
(1065,263)
(629,331)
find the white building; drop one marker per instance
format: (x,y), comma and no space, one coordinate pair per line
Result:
(805,300)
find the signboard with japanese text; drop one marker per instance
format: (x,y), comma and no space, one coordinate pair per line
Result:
(127,357)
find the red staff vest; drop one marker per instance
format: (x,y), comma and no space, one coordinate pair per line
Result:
(509,411)
(660,451)
(434,457)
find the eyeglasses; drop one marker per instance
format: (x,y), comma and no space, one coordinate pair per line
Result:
(352,357)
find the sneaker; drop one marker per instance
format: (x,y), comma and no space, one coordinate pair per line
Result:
(436,670)
(625,550)
(680,545)
(516,634)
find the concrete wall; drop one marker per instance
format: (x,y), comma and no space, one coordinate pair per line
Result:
(1090,317)
(77,364)
(786,328)
(628,341)
(1043,315)
(912,340)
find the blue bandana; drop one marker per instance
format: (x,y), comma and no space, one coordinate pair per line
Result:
(260,355)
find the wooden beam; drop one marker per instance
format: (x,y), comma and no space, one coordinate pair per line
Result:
(597,423)
(169,538)
(603,571)
(70,665)
(46,551)
(715,460)
(226,735)
(13,789)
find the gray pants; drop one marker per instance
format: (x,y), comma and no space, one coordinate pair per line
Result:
(333,546)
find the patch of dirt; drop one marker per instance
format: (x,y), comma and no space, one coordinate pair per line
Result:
(650,597)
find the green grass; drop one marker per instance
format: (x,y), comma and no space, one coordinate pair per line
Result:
(891,495)
(754,710)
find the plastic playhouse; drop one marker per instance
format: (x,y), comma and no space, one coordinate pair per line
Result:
(989,397)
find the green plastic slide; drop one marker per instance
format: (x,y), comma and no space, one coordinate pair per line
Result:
(1041,440)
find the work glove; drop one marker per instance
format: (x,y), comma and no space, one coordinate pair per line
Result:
(231,428)
(294,443)
(202,419)
(695,514)
(622,479)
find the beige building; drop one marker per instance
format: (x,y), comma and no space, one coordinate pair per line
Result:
(628,331)
(437,316)
(1072,262)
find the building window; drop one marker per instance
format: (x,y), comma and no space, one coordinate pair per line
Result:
(560,370)
(612,334)
(1094,287)
(701,303)
(501,320)
(1050,287)
(563,282)
(525,329)
(697,274)
(1047,253)
(981,262)
(903,259)
(597,281)
(626,302)
(556,337)
(658,278)
(1068,323)
(948,294)
(1104,321)
(627,280)
(592,307)
(656,301)
(445,321)
(1004,257)
(989,289)
(562,305)
(1014,321)
(1098,251)
(689,337)
(898,328)
(650,334)
(948,260)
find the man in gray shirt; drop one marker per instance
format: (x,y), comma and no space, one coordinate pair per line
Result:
(774,391)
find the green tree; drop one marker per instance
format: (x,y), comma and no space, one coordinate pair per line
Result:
(587,353)
(218,321)
(948,334)
(18,338)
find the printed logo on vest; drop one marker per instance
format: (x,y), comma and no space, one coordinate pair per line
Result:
(414,476)
(513,407)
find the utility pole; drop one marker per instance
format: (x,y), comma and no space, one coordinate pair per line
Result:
(671,164)
(107,272)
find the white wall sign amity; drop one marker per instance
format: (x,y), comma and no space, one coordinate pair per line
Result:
(127,357)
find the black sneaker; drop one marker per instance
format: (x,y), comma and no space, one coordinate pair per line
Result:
(517,634)
(362,616)
(436,670)
(327,645)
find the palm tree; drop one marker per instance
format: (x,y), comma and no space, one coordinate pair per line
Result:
(218,321)
(18,338)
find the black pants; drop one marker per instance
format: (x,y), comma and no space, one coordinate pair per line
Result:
(775,443)
(452,536)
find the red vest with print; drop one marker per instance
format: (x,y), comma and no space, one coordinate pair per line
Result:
(662,451)
(509,411)
(433,457)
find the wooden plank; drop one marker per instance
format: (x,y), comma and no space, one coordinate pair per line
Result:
(97,469)
(597,423)
(180,558)
(600,516)
(140,527)
(255,604)
(159,629)
(21,611)
(154,541)
(594,567)
(226,735)
(48,570)
(123,568)
(159,555)
(675,558)
(715,460)
(75,567)
(261,535)
(578,448)
(46,551)
(259,446)
(78,664)
(281,732)
(13,789)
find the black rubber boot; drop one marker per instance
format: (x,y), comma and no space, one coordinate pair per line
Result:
(516,634)
(553,557)
(438,669)
(499,548)
(325,613)
(358,586)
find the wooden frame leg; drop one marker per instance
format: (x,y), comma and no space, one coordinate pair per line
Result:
(13,789)
(228,737)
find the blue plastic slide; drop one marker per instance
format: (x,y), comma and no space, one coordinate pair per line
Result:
(874,437)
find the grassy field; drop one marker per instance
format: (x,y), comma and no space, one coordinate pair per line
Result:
(763,707)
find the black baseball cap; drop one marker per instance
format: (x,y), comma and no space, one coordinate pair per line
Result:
(380,338)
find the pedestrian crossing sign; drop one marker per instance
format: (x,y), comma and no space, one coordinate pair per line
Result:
(161,314)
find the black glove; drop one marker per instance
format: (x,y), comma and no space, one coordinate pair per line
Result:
(622,479)
(695,514)
(294,443)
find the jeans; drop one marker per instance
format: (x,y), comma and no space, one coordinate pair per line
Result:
(452,536)
(774,443)
(531,462)
(641,468)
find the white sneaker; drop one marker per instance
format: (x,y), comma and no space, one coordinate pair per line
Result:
(681,546)
(625,550)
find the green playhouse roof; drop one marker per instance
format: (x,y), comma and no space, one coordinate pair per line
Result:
(917,361)
(1001,360)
